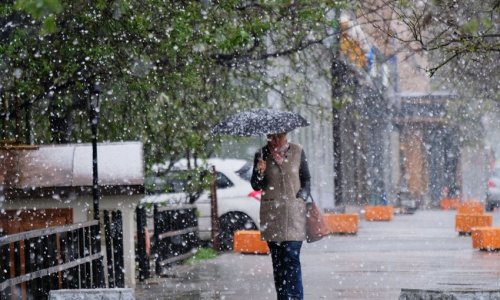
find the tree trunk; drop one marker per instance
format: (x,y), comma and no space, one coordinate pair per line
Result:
(4,116)
(61,121)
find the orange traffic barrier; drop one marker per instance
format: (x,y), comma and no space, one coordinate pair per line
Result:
(470,207)
(449,203)
(486,238)
(248,241)
(342,223)
(379,213)
(477,235)
(465,222)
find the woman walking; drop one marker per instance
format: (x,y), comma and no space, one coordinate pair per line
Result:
(281,172)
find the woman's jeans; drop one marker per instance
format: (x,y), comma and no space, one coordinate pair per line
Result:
(286,269)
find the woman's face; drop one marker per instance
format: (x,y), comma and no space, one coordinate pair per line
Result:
(276,140)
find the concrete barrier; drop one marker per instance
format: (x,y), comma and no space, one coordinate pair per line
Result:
(486,238)
(465,222)
(342,223)
(469,294)
(477,236)
(379,212)
(249,241)
(93,294)
(470,207)
(449,203)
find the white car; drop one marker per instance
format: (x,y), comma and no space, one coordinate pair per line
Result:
(493,191)
(237,203)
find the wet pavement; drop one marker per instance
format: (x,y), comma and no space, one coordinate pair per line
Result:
(419,251)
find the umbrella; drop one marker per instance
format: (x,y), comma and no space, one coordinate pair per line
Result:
(260,121)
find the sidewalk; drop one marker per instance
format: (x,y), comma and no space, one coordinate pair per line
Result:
(419,251)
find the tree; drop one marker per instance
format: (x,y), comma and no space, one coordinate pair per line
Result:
(461,40)
(170,69)
(454,28)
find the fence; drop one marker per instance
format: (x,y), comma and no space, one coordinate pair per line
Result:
(34,262)
(175,237)
(113,233)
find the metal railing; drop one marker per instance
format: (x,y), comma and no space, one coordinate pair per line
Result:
(113,233)
(175,237)
(34,262)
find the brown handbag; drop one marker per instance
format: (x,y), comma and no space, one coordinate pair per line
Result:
(316,227)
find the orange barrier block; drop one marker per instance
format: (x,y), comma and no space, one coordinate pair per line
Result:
(465,222)
(486,238)
(379,213)
(470,207)
(342,223)
(477,235)
(449,203)
(248,241)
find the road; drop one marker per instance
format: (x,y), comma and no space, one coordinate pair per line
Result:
(420,251)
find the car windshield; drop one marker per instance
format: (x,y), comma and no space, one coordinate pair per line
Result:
(164,184)
(175,181)
(245,172)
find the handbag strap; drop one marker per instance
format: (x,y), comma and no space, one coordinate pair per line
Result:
(309,196)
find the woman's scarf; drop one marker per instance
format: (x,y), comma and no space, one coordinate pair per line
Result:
(279,153)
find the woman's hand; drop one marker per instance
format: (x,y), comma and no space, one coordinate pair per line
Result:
(261,166)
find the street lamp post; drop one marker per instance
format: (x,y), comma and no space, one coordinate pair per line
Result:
(97,269)
(94,121)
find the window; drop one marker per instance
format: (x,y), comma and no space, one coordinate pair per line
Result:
(246,171)
(173,182)
(155,184)
(222,181)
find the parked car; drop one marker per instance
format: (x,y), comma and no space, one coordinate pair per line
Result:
(493,191)
(237,203)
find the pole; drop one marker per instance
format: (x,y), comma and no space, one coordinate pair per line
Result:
(214,212)
(97,269)
(95,175)
(337,158)
(94,120)
(27,122)
(336,73)
(143,259)
(3,114)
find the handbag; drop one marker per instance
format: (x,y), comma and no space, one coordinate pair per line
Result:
(316,227)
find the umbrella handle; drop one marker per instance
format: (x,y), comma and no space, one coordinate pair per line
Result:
(261,152)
